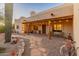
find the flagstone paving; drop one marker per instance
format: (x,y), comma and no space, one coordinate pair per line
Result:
(38,45)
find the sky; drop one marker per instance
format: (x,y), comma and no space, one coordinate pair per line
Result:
(1,8)
(24,9)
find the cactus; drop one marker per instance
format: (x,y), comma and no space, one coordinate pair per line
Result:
(8,21)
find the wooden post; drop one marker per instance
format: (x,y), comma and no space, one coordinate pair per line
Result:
(8,21)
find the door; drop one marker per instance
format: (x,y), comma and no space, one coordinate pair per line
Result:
(44,29)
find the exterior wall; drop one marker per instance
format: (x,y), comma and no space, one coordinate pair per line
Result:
(40,28)
(47,29)
(19,24)
(68,27)
(76,26)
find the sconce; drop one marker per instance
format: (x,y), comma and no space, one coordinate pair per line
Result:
(67,20)
(52,14)
(60,21)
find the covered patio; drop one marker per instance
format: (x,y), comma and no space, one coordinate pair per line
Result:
(58,26)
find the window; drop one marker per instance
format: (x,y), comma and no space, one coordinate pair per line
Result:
(23,27)
(57,27)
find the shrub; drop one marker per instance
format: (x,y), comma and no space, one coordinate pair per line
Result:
(2,29)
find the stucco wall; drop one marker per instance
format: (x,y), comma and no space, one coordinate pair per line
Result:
(47,29)
(76,26)
(68,27)
(19,24)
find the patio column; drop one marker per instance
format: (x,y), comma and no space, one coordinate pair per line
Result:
(49,25)
(8,21)
(28,28)
(76,26)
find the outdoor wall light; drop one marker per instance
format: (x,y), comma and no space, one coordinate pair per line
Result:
(52,14)
(67,20)
(60,21)
(54,21)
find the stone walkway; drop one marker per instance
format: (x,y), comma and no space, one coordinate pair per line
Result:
(39,45)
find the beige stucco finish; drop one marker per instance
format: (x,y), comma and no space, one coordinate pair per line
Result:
(76,26)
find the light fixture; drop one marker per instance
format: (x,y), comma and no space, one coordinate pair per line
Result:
(52,14)
(54,21)
(49,22)
(67,20)
(60,21)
